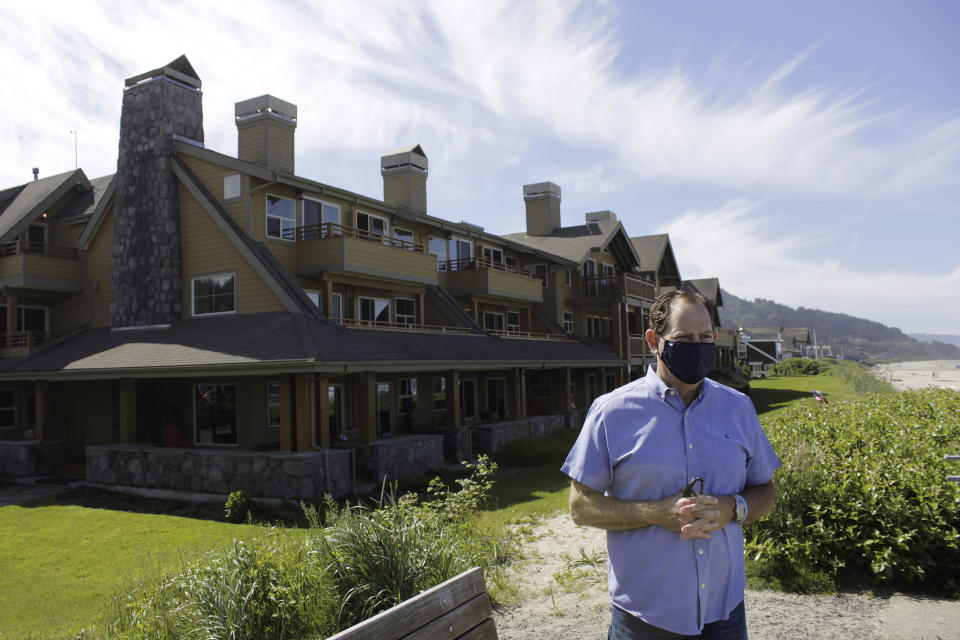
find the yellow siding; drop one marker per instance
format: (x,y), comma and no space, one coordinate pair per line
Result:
(98,263)
(64,235)
(252,144)
(11,266)
(501,281)
(207,250)
(40,266)
(211,175)
(363,257)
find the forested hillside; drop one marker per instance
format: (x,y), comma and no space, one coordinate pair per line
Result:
(835,329)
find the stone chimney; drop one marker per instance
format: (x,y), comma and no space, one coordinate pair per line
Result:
(265,128)
(404,174)
(543,208)
(146,282)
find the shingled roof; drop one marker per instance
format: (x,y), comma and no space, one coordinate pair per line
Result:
(19,206)
(248,343)
(576,243)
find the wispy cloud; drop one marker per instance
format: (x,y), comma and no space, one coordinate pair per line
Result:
(754,256)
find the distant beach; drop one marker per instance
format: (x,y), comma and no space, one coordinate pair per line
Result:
(920,374)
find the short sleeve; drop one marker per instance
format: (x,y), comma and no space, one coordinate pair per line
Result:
(763,460)
(589,460)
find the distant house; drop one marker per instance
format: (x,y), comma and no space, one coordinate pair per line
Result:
(761,348)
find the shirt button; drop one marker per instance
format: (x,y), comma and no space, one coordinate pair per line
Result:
(703,585)
(690,446)
(701,551)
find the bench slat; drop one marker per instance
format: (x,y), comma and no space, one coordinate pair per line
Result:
(486,630)
(410,615)
(454,624)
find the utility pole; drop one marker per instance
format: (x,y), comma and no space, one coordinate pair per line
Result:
(76,164)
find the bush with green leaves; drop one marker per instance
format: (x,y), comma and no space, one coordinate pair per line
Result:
(533,452)
(858,377)
(732,377)
(863,498)
(798,367)
(357,560)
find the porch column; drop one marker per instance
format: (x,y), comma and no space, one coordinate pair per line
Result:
(568,400)
(366,397)
(287,412)
(453,398)
(322,385)
(529,319)
(327,297)
(40,393)
(520,394)
(127,403)
(11,319)
(421,312)
(476,310)
(301,390)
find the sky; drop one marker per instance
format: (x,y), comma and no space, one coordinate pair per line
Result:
(807,153)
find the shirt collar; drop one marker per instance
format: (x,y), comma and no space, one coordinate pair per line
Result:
(662,390)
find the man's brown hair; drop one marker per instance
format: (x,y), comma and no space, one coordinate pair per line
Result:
(660,312)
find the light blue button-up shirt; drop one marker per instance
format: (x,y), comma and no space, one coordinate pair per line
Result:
(640,442)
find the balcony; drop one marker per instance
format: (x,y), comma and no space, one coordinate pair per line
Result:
(41,266)
(334,247)
(726,338)
(528,335)
(640,288)
(482,276)
(21,343)
(352,323)
(639,347)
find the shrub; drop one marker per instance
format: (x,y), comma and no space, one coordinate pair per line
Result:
(863,500)
(860,378)
(732,377)
(527,452)
(798,367)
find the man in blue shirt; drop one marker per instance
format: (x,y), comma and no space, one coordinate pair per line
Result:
(671,465)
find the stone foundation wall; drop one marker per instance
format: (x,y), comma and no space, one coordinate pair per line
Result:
(405,456)
(274,474)
(487,438)
(25,458)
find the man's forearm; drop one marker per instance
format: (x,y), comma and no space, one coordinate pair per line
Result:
(760,499)
(604,512)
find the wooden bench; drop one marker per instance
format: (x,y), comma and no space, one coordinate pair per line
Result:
(456,609)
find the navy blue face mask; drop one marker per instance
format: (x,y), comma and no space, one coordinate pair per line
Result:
(688,361)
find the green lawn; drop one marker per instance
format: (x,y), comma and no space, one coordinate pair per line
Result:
(62,564)
(770,394)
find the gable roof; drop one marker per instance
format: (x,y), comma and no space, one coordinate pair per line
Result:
(26,203)
(710,288)
(656,255)
(256,253)
(85,202)
(578,242)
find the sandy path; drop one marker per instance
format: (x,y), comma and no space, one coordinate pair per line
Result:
(555,602)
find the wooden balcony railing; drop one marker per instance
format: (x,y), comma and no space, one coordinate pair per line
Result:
(726,337)
(353,323)
(23,339)
(639,346)
(606,285)
(479,263)
(22,247)
(527,335)
(639,288)
(332,230)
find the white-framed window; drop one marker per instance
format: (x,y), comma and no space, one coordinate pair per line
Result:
(281,218)
(314,297)
(320,219)
(31,318)
(438,247)
(492,321)
(459,253)
(513,321)
(512,262)
(406,311)
(406,395)
(539,271)
(374,310)
(593,326)
(568,275)
(8,408)
(273,405)
(403,234)
(568,321)
(232,186)
(493,254)
(439,393)
(214,294)
(215,413)
(36,237)
(372,223)
(336,306)
(538,385)
(607,327)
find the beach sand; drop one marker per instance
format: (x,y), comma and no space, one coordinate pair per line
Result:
(920,374)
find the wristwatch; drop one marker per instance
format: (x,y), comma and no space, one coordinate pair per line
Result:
(742,509)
